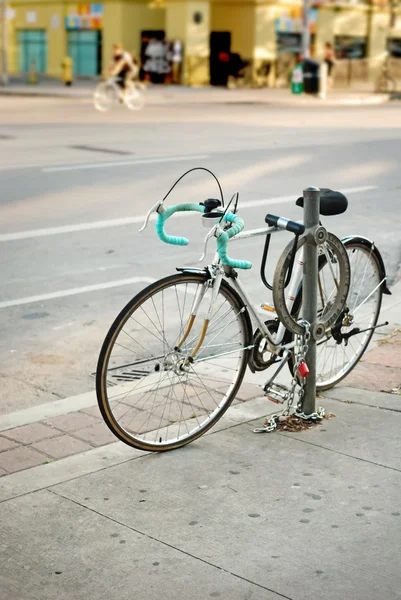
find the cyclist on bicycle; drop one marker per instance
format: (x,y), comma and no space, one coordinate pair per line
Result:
(122,67)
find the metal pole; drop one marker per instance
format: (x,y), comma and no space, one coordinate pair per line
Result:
(309,300)
(4,69)
(305,30)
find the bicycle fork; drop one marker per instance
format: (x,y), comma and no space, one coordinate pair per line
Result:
(215,288)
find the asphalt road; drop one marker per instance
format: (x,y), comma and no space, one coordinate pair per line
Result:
(75,185)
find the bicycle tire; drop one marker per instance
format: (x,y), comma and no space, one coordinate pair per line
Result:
(386,84)
(334,307)
(105,96)
(134,98)
(343,370)
(108,407)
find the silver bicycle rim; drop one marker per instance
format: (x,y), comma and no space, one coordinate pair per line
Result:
(152,401)
(335,361)
(105,96)
(134,99)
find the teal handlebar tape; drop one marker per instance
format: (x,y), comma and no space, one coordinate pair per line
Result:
(161,218)
(222,240)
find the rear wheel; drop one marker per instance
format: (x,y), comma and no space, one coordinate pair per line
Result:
(151,394)
(347,340)
(134,98)
(386,84)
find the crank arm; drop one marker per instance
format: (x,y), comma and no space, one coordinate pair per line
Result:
(283,361)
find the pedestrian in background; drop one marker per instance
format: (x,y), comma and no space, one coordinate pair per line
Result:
(329,59)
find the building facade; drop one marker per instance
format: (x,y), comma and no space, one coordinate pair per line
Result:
(264,33)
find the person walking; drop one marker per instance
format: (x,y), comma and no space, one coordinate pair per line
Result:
(329,59)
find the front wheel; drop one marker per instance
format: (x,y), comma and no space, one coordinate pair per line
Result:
(106,96)
(158,387)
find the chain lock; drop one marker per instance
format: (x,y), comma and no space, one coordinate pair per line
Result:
(300,350)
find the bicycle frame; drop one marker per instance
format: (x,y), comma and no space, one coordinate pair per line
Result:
(293,287)
(275,341)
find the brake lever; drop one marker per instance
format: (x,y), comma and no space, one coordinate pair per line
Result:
(155,208)
(207,238)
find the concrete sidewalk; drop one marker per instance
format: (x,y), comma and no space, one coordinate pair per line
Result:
(164,95)
(302,516)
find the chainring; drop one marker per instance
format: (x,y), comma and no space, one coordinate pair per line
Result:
(257,360)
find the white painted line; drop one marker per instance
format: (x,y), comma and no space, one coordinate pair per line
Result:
(75,291)
(283,199)
(65,406)
(124,163)
(33,233)
(49,410)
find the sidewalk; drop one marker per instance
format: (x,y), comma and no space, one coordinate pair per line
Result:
(162,95)
(302,516)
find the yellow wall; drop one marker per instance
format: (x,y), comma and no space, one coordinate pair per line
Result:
(240,21)
(265,32)
(180,25)
(324,31)
(176,20)
(123,22)
(49,16)
(251,23)
(112,31)
(351,22)
(142,18)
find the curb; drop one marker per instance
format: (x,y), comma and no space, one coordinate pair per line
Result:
(373,99)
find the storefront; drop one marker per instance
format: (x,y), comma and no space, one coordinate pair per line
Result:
(261,32)
(84,24)
(32,45)
(48,31)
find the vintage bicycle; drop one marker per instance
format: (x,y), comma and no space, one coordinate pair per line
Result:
(175,357)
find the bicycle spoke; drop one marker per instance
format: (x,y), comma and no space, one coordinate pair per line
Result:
(161,402)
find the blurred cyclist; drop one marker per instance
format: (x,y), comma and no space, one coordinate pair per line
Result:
(122,67)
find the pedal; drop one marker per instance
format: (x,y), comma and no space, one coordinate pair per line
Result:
(277,393)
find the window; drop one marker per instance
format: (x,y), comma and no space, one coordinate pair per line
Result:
(394,47)
(348,46)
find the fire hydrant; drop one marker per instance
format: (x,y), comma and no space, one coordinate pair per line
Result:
(67,71)
(32,74)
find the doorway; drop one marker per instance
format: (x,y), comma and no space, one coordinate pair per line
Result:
(220,47)
(85,49)
(32,44)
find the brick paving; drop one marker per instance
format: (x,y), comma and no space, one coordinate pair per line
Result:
(65,435)
(58,437)
(379,369)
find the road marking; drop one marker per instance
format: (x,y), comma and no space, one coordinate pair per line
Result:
(33,233)
(75,291)
(124,163)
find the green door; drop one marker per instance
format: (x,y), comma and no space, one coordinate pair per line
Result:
(84,47)
(32,44)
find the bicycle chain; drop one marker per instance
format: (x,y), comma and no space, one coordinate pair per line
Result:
(300,350)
